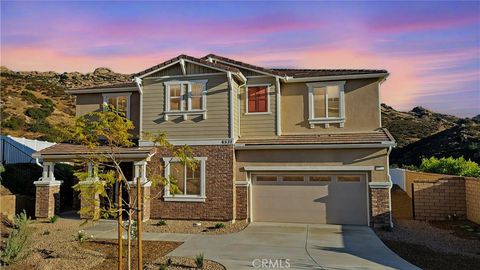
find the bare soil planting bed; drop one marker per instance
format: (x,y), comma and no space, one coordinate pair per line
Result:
(434,246)
(187,226)
(52,247)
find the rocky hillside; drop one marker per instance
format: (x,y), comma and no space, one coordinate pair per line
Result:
(35,105)
(409,127)
(462,139)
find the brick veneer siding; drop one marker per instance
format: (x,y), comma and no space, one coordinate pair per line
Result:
(472,197)
(437,200)
(89,202)
(219,189)
(47,201)
(380,206)
(241,202)
(146,200)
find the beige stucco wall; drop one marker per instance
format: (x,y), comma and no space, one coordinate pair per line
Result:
(92,102)
(258,125)
(361,108)
(312,157)
(196,128)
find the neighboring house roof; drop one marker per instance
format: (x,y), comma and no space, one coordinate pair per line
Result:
(74,150)
(304,73)
(187,57)
(374,137)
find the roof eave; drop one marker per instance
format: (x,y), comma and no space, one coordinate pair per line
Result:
(101,90)
(337,77)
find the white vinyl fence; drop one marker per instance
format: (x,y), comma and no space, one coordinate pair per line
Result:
(398,177)
(20,150)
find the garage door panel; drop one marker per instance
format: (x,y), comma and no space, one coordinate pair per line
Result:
(321,202)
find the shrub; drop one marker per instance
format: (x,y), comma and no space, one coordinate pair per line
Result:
(81,237)
(199,258)
(450,165)
(46,103)
(162,267)
(39,126)
(14,123)
(39,113)
(219,226)
(29,96)
(17,241)
(53,219)
(162,222)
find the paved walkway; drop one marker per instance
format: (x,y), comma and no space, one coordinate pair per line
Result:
(291,246)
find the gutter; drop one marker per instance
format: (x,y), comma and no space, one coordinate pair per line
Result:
(242,146)
(338,77)
(140,91)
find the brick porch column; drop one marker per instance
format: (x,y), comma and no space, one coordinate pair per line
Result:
(89,198)
(141,173)
(47,193)
(380,205)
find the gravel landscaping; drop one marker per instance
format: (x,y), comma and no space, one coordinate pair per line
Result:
(434,246)
(52,246)
(187,226)
(178,263)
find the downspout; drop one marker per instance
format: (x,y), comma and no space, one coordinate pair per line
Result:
(37,161)
(239,100)
(278,101)
(390,188)
(140,91)
(230,85)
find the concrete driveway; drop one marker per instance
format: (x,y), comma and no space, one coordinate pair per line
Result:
(296,246)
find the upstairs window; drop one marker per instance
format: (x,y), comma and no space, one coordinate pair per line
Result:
(185,98)
(257,99)
(119,101)
(326,103)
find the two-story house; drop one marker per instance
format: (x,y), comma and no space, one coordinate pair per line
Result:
(275,145)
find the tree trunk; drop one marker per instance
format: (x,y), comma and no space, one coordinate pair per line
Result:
(129,244)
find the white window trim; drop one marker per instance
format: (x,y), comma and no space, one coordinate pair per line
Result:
(326,120)
(189,111)
(106,96)
(185,198)
(268,99)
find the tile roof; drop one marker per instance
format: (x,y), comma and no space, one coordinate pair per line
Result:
(105,86)
(299,73)
(187,57)
(374,137)
(303,73)
(74,149)
(242,64)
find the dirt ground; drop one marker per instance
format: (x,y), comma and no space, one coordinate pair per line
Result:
(436,245)
(187,226)
(53,247)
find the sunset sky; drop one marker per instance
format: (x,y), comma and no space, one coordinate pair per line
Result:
(431,49)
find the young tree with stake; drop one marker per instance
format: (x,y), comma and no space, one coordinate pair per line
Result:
(106,134)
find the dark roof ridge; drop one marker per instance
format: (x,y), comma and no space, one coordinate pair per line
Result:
(242,64)
(187,57)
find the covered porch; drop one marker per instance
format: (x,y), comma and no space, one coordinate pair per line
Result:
(133,160)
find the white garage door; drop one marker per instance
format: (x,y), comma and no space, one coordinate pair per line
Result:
(313,198)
